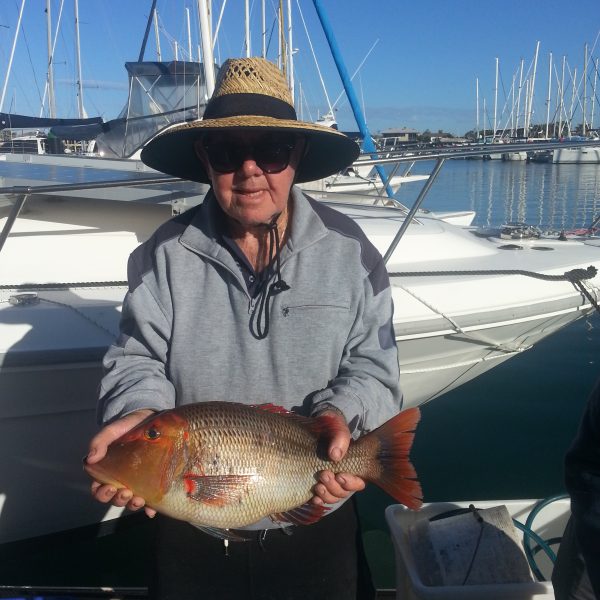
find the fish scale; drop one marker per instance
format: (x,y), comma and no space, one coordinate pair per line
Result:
(227,465)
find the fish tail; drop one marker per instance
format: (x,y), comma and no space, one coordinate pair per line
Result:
(390,467)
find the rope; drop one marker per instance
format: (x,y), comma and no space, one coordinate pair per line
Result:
(61,286)
(575,275)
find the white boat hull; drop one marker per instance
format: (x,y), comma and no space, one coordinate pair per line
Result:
(449,329)
(589,155)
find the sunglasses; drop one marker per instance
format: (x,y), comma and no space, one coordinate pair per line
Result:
(271,155)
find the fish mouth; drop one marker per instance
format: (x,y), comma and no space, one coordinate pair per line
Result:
(99,474)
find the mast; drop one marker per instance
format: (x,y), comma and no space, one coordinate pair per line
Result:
(562,98)
(531,89)
(264,29)
(247,24)
(495,102)
(148,23)
(12,54)
(573,98)
(189,33)
(549,96)
(80,108)
(207,47)
(584,80)
(519,98)
(594,94)
(156,36)
(368,144)
(51,97)
(477,108)
(290,48)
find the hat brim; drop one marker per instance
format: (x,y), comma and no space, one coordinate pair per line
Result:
(173,152)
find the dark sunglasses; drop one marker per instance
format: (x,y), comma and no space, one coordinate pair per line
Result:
(271,155)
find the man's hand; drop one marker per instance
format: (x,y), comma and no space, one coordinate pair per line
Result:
(98,445)
(331,488)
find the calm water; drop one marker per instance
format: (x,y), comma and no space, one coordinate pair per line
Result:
(504,434)
(546,195)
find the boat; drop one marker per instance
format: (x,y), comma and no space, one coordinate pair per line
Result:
(588,155)
(350,181)
(465,301)
(521,538)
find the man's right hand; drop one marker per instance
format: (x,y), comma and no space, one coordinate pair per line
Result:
(100,442)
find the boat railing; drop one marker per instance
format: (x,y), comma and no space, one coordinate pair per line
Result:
(21,193)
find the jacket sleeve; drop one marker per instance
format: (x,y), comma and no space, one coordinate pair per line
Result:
(135,365)
(367,388)
(582,470)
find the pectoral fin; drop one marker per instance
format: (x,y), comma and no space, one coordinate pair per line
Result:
(302,515)
(217,490)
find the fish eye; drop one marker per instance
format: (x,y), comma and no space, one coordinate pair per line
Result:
(151,434)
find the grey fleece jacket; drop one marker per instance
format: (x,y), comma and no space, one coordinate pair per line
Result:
(186,334)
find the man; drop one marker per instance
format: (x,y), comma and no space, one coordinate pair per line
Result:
(258,295)
(576,573)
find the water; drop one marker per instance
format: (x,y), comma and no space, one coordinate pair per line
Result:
(504,434)
(549,196)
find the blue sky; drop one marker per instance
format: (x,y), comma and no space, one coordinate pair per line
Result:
(421,57)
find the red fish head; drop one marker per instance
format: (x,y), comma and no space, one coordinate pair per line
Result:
(146,459)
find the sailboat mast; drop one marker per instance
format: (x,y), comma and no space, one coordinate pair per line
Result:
(78,59)
(156,36)
(562,98)
(549,96)
(368,144)
(12,54)
(264,29)
(495,102)
(290,48)
(519,99)
(189,33)
(531,89)
(594,94)
(51,97)
(207,46)
(584,81)
(148,23)
(247,24)
(477,108)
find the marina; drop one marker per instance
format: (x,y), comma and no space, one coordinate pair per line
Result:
(494,272)
(517,419)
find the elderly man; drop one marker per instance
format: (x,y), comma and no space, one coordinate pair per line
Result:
(260,294)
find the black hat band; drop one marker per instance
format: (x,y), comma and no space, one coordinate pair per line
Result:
(239,105)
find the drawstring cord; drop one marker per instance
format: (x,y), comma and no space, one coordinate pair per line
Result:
(259,321)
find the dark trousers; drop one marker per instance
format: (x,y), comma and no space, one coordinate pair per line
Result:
(320,561)
(570,578)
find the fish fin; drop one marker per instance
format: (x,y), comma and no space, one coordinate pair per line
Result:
(227,534)
(269,407)
(302,515)
(217,490)
(393,471)
(324,424)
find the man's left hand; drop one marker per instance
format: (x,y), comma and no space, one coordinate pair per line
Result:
(331,487)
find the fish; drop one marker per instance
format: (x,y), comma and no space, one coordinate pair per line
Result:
(225,465)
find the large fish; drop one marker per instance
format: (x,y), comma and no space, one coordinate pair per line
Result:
(224,465)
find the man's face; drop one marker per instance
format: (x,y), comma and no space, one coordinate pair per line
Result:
(246,173)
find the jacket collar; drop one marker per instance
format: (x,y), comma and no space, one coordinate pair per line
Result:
(203,234)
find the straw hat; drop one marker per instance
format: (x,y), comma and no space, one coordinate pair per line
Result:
(251,94)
